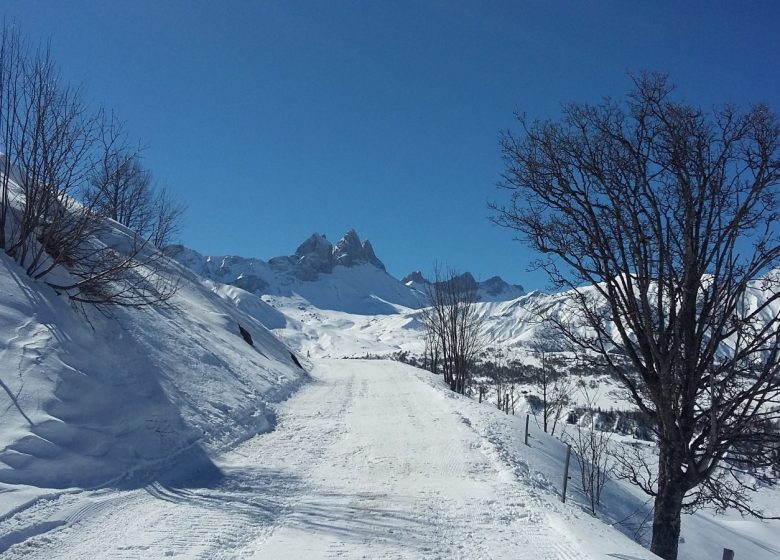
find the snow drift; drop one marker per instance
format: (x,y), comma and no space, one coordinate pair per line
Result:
(141,395)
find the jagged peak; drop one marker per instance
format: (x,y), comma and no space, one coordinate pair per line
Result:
(315,243)
(350,250)
(415,277)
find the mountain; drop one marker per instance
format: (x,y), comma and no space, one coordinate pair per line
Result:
(346,276)
(492,289)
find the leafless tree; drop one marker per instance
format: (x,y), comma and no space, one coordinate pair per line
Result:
(166,218)
(11,51)
(49,138)
(591,446)
(555,387)
(120,188)
(499,375)
(660,218)
(504,377)
(432,351)
(48,151)
(453,327)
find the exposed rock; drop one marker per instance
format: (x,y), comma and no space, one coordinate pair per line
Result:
(282,264)
(250,282)
(496,286)
(415,277)
(245,335)
(370,256)
(313,256)
(463,282)
(350,251)
(295,360)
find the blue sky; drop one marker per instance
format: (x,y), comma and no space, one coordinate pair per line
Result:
(273,120)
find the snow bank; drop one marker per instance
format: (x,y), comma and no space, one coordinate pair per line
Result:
(624,507)
(143,395)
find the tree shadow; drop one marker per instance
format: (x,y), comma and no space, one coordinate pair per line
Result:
(100,435)
(110,423)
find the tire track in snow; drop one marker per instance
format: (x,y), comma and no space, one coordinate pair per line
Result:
(367,461)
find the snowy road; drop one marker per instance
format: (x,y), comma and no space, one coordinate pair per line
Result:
(367,461)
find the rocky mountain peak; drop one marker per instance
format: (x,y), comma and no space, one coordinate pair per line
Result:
(496,286)
(349,251)
(415,277)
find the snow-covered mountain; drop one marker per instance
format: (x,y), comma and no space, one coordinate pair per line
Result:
(346,276)
(492,289)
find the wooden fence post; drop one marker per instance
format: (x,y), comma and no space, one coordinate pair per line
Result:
(527,416)
(728,554)
(566,473)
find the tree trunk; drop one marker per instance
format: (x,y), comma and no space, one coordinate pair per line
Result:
(668,506)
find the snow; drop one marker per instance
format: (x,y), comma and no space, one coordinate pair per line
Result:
(162,433)
(370,460)
(137,396)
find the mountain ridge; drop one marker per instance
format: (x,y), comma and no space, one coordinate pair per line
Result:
(349,271)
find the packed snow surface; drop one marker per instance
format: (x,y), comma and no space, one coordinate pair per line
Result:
(370,460)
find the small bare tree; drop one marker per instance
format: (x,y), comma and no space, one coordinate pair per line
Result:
(166,218)
(453,327)
(120,188)
(591,445)
(500,376)
(555,387)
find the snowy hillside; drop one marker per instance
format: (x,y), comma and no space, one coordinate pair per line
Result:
(138,396)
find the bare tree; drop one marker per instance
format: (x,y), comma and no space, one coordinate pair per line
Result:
(49,138)
(48,151)
(499,375)
(166,218)
(591,445)
(667,214)
(11,73)
(555,387)
(120,188)
(453,327)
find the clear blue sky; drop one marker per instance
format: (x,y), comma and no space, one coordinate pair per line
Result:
(277,119)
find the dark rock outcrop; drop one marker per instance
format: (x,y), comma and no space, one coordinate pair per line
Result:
(350,251)
(415,277)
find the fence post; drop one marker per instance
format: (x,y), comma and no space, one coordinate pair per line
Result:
(527,416)
(566,473)
(728,554)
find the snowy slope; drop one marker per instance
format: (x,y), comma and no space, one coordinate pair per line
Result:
(512,325)
(141,395)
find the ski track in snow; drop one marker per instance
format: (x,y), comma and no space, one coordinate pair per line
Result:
(367,461)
